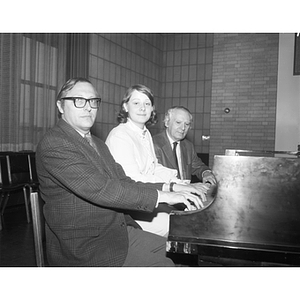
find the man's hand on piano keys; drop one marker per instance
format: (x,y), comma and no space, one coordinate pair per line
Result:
(209,177)
(192,201)
(201,187)
(195,188)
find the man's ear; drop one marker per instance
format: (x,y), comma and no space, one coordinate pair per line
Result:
(60,106)
(167,122)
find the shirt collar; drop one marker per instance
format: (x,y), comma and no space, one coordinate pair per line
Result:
(171,140)
(83,135)
(136,128)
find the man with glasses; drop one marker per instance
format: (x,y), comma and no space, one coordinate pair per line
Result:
(87,194)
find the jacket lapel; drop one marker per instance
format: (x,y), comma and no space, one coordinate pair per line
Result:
(86,148)
(167,149)
(184,159)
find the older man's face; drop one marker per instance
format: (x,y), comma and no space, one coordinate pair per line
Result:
(81,119)
(179,124)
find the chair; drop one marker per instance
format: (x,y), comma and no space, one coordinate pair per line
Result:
(1,158)
(5,186)
(38,223)
(33,183)
(18,173)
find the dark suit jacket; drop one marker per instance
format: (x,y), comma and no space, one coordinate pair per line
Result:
(85,197)
(191,163)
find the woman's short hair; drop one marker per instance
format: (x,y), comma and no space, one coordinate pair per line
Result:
(168,114)
(123,114)
(67,87)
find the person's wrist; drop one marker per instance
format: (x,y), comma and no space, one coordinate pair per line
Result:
(171,186)
(166,187)
(209,171)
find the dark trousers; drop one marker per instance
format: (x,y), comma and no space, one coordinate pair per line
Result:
(146,249)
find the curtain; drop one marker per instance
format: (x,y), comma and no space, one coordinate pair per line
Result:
(77,55)
(32,70)
(9,63)
(33,67)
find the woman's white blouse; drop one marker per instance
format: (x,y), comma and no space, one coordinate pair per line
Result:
(132,147)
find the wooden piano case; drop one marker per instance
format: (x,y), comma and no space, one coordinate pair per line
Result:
(253,217)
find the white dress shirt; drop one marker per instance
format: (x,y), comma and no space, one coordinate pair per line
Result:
(132,147)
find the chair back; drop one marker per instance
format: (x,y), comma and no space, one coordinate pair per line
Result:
(4,181)
(32,170)
(0,191)
(1,163)
(38,223)
(18,168)
(17,172)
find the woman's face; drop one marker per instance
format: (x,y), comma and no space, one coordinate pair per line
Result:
(139,108)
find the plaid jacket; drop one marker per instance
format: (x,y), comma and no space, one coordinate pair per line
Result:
(86,196)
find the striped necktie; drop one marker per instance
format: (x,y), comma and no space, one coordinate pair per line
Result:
(176,159)
(89,138)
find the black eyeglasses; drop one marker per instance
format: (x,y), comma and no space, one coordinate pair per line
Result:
(80,102)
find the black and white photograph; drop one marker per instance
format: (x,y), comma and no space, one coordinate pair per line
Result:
(140,148)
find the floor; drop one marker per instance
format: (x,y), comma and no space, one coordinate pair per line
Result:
(16,239)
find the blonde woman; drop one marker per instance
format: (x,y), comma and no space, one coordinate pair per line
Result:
(132,147)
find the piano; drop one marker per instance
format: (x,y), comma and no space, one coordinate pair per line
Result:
(251,217)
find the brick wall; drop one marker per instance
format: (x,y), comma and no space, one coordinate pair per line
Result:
(177,67)
(205,72)
(244,79)
(118,61)
(187,79)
